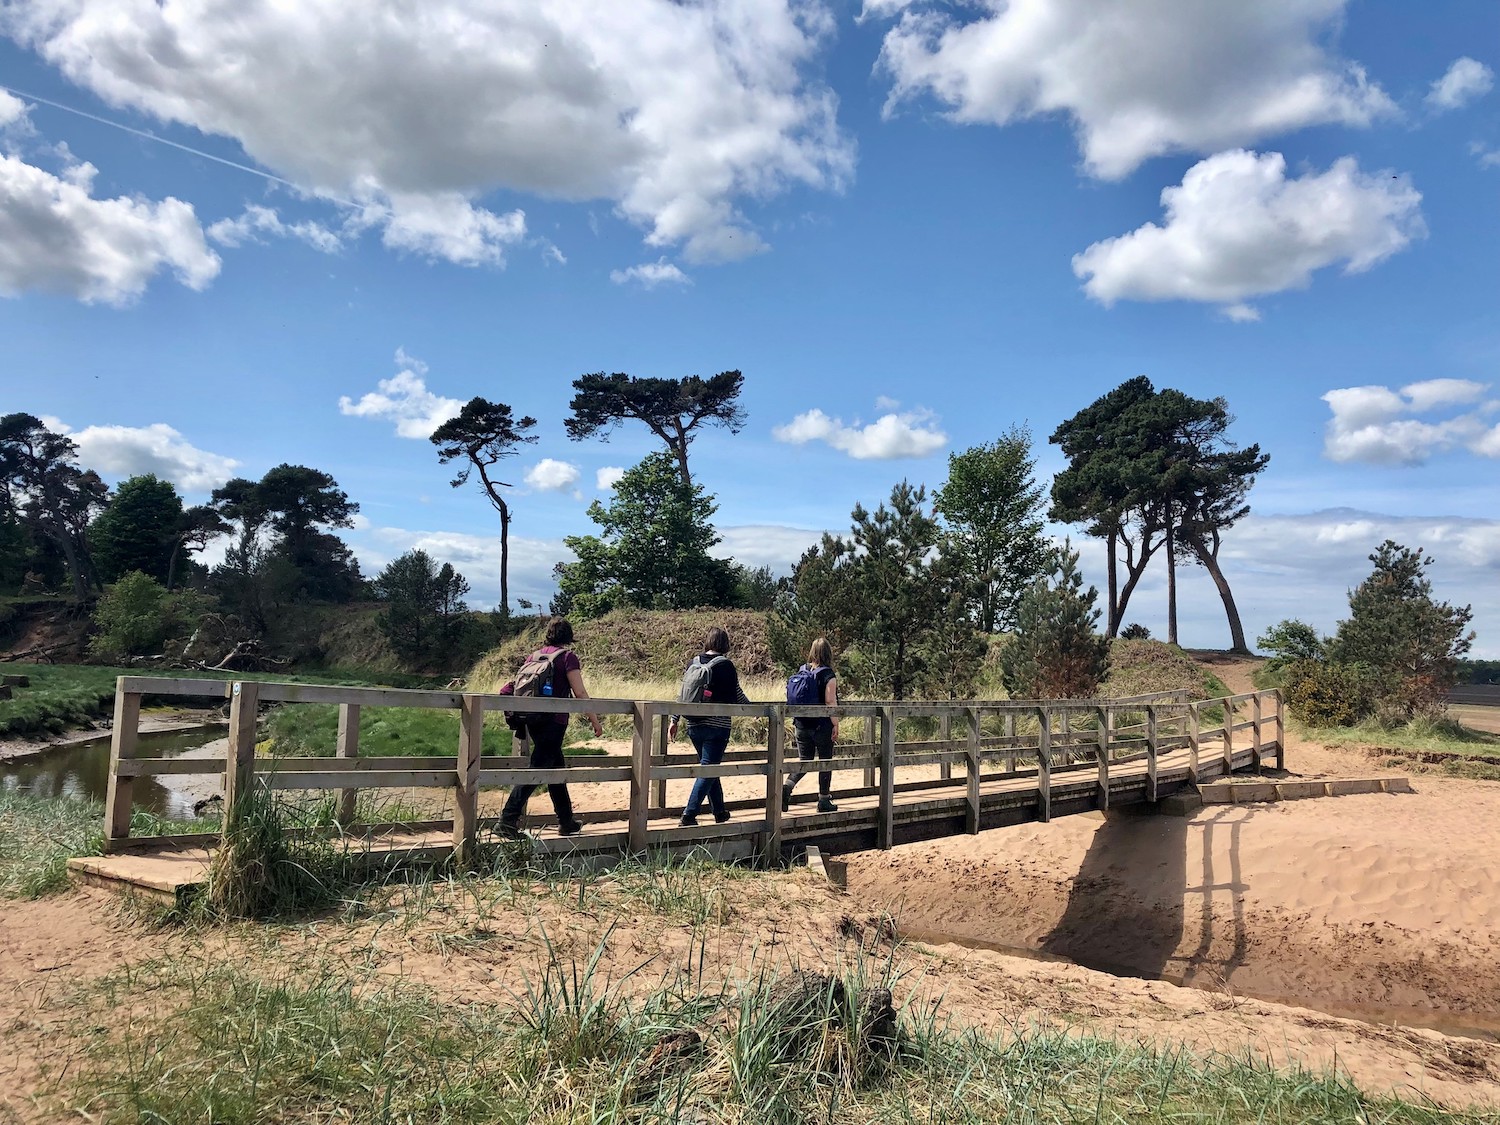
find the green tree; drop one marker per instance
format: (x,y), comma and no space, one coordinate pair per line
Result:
(137,530)
(1412,642)
(1056,651)
(15,552)
(483,434)
(425,609)
(820,599)
(1289,641)
(199,526)
(672,409)
(952,651)
(991,507)
(42,486)
(137,616)
(652,550)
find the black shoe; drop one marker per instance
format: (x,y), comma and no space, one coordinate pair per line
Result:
(720,819)
(786,797)
(572,828)
(688,822)
(825,804)
(508,831)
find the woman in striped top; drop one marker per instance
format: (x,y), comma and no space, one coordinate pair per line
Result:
(710,734)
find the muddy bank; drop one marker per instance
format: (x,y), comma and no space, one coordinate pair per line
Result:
(1387,905)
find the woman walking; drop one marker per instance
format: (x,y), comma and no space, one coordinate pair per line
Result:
(710,734)
(546,731)
(815,737)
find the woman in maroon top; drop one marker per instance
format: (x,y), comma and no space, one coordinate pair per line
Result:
(546,734)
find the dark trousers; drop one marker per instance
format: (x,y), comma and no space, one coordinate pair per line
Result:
(710,742)
(813,742)
(546,735)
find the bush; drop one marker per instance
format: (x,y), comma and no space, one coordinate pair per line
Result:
(1056,652)
(1135,631)
(1289,641)
(1329,694)
(137,616)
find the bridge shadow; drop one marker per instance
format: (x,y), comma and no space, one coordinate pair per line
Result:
(1144,900)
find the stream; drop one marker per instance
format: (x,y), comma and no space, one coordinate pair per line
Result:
(81,771)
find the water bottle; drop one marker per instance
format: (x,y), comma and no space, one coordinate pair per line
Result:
(547,688)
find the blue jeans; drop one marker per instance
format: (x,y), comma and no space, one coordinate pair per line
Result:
(710,742)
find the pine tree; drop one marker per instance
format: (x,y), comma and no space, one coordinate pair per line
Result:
(1057,651)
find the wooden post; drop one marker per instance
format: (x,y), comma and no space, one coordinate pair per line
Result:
(971,819)
(122,742)
(348,747)
(1067,737)
(1228,736)
(887,830)
(1044,764)
(239,758)
(640,778)
(945,732)
(1280,733)
(1194,719)
(868,746)
(466,781)
(1255,740)
(1151,753)
(666,747)
(1010,733)
(1103,753)
(775,751)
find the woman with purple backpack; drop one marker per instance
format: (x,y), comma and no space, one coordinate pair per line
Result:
(815,737)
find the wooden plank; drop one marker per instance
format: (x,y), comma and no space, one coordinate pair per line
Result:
(1010,734)
(1067,736)
(945,729)
(348,747)
(727,769)
(119,791)
(662,725)
(369,762)
(368,697)
(239,757)
(640,777)
(1280,733)
(1195,720)
(568,775)
(1255,739)
(775,749)
(158,767)
(1101,753)
(1044,765)
(167,685)
(1228,731)
(366,779)
(936,757)
(831,765)
(971,815)
(887,828)
(466,778)
(1151,795)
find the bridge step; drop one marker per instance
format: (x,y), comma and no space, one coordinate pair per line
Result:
(1237,793)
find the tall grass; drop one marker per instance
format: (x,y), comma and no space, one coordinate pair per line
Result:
(311,730)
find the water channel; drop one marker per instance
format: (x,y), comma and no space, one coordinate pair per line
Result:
(81,771)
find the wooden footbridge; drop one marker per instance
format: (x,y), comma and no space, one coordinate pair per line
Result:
(917,771)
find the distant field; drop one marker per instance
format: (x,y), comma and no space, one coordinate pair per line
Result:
(1477,718)
(1482,695)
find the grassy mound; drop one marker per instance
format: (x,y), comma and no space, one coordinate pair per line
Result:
(1143,667)
(640,644)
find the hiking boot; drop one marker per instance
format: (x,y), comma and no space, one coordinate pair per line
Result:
(786,797)
(825,804)
(508,830)
(721,819)
(687,821)
(572,828)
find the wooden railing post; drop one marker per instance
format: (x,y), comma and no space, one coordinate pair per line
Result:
(1103,753)
(1151,742)
(775,749)
(348,747)
(1067,736)
(1256,746)
(1010,734)
(118,796)
(945,732)
(1280,732)
(869,746)
(886,834)
(239,756)
(1228,736)
(1195,720)
(1044,764)
(971,766)
(640,777)
(466,779)
(666,746)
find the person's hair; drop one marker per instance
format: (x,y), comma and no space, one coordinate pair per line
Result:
(718,641)
(821,653)
(559,632)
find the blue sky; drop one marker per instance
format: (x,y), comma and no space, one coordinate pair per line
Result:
(925,222)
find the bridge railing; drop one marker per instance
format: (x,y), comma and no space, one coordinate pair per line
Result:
(908,755)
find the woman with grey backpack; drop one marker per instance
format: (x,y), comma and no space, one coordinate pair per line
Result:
(710,678)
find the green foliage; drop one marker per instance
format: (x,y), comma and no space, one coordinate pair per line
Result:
(1290,641)
(311,730)
(259,870)
(1479,671)
(43,488)
(1330,693)
(991,507)
(652,552)
(1056,652)
(136,616)
(15,552)
(1411,643)
(1135,631)
(952,651)
(820,600)
(138,530)
(425,610)
(1144,667)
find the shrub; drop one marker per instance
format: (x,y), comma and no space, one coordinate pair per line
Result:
(137,616)
(1057,652)
(1329,694)
(1135,631)
(1289,641)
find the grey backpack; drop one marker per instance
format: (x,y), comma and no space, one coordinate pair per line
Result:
(695,680)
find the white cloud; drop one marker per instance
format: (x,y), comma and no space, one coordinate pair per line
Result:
(1237,227)
(13,112)
(55,237)
(257,222)
(125,451)
(1464,81)
(477,557)
(1488,157)
(444,226)
(405,399)
(651,274)
(1138,78)
(549,475)
(886,403)
(606,478)
(1375,424)
(772,545)
(673,112)
(891,436)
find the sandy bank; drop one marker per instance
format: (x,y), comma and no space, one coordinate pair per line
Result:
(12,749)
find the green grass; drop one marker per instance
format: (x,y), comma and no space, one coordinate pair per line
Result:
(311,730)
(222,1045)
